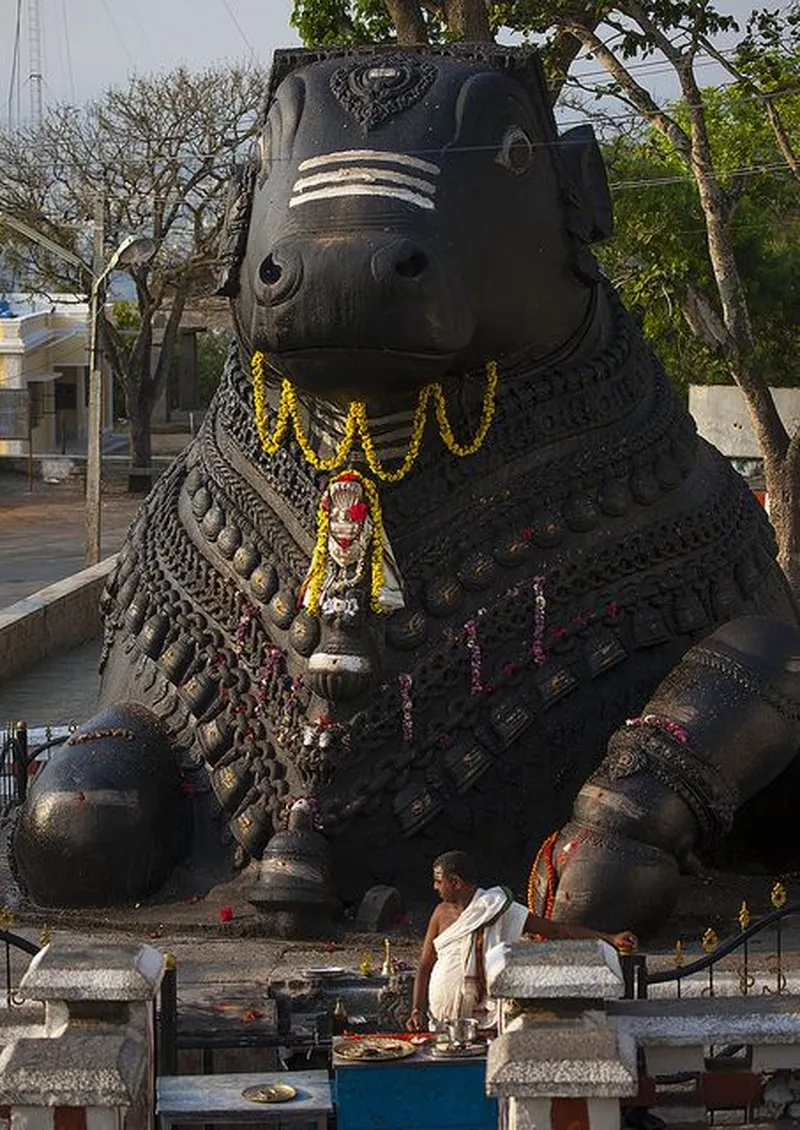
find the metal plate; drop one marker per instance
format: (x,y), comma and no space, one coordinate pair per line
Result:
(458,1051)
(374,1049)
(270,1093)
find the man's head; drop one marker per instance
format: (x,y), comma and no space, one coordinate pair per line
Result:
(454,876)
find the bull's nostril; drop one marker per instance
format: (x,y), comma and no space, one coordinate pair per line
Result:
(270,271)
(413,265)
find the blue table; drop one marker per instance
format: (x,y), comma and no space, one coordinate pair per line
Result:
(418,1093)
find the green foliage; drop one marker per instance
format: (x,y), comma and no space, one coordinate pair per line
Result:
(212,349)
(322,23)
(659,250)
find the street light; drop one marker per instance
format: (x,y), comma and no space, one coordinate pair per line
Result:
(132,250)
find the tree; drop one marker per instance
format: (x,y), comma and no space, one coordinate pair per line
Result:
(661,266)
(680,32)
(408,22)
(153,158)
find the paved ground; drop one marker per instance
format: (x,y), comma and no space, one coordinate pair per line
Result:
(42,532)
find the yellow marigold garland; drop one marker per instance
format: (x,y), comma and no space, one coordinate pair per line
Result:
(357,423)
(319,560)
(487,415)
(289,409)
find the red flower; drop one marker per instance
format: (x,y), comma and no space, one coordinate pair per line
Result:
(358,512)
(346,477)
(527,532)
(226,914)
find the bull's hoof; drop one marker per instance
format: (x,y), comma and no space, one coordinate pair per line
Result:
(104,820)
(594,877)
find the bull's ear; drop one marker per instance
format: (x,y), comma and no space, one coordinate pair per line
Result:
(592,217)
(233,238)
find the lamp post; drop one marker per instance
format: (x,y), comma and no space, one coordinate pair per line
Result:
(133,249)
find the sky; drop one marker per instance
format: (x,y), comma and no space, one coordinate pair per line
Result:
(88,45)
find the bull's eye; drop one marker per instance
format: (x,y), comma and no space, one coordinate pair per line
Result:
(516,151)
(270,271)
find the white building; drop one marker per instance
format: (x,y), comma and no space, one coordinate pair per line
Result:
(43,375)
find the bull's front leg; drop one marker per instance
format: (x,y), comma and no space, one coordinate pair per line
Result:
(720,727)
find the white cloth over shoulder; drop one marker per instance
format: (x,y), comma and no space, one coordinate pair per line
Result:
(456,984)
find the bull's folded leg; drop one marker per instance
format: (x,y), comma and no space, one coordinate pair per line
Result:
(105,819)
(723,724)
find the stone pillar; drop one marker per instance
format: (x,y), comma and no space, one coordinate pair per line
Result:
(92,1065)
(557,1062)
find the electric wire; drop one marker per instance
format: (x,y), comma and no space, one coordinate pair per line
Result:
(238,27)
(118,34)
(68,49)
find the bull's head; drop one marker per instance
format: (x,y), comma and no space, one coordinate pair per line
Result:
(409,215)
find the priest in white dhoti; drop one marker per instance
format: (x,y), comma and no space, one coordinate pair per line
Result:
(469,921)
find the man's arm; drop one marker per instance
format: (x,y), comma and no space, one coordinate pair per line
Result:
(417,1021)
(546,928)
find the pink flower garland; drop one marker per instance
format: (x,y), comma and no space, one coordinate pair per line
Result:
(537,651)
(265,678)
(475,657)
(249,612)
(675,729)
(405,683)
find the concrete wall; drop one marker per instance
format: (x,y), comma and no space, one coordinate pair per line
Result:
(55,619)
(722,417)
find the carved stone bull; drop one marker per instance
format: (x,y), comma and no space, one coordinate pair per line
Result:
(445,531)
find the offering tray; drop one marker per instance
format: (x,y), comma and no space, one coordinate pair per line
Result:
(458,1051)
(270,1093)
(374,1049)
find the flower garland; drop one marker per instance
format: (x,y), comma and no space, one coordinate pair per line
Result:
(674,729)
(405,683)
(545,852)
(359,513)
(475,658)
(487,415)
(537,651)
(357,424)
(248,613)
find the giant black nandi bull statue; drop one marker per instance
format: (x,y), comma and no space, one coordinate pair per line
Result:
(447,554)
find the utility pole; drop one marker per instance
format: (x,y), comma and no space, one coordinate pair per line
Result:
(35,61)
(95,414)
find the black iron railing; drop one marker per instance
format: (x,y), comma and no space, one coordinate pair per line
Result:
(639,979)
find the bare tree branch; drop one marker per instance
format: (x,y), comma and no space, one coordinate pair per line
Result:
(637,95)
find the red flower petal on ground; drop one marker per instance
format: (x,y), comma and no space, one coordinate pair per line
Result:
(226,914)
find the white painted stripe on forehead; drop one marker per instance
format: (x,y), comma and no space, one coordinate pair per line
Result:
(363,175)
(368,155)
(331,193)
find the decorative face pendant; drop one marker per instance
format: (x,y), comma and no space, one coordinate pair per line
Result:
(350,528)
